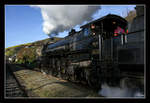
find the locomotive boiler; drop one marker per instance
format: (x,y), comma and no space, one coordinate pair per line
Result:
(101,52)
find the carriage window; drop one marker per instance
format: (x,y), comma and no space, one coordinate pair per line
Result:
(86,32)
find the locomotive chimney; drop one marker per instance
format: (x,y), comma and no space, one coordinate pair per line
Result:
(72,32)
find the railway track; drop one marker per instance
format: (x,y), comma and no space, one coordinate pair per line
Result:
(12,88)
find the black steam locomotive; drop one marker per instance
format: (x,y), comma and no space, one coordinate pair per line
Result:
(102,52)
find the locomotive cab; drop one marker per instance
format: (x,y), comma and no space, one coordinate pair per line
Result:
(109,32)
(106,26)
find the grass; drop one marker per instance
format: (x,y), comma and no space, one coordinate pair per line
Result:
(27,44)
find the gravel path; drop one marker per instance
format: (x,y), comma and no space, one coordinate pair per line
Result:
(12,89)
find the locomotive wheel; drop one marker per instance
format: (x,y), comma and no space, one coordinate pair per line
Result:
(93,83)
(93,80)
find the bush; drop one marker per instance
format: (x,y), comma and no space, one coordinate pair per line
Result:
(9,52)
(26,55)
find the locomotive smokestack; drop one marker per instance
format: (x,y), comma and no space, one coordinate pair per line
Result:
(58,18)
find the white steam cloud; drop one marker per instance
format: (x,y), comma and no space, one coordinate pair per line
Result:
(59,18)
(122,91)
(118,92)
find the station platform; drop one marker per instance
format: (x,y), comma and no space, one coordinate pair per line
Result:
(37,84)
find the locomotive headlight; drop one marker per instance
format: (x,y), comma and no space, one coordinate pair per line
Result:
(92,26)
(115,34)
(114,22)
(94,33)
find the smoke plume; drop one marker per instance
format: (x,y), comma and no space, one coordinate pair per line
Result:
(59,18)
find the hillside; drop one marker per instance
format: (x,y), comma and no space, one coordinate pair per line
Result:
(27,53)
(131,16)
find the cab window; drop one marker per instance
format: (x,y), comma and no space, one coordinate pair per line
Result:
(86,32)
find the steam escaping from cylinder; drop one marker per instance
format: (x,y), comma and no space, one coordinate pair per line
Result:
(120,91)
(60,18)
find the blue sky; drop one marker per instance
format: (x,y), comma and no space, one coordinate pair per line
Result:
(23,24)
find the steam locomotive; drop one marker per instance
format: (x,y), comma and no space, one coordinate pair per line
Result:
(101,52)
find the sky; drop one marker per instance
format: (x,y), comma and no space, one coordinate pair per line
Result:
(24,24)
